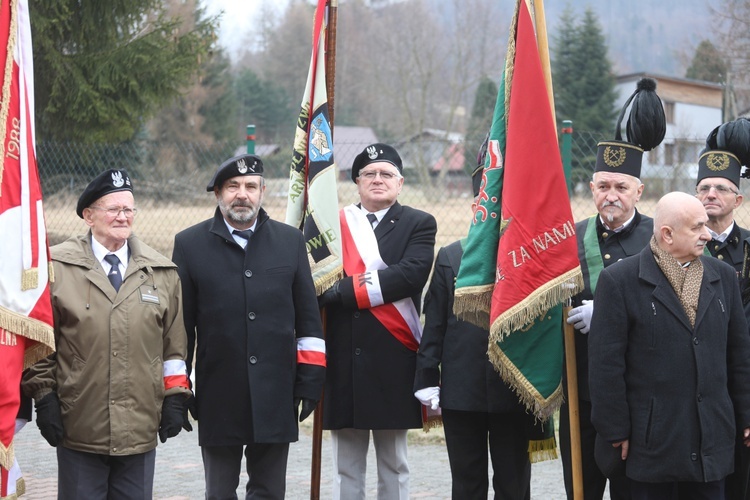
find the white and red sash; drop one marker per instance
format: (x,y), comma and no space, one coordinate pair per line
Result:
(362,261)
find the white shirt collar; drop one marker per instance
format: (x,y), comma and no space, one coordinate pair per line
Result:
(621,228)
(379,214)
(100,251)
(724,235)
(239,239)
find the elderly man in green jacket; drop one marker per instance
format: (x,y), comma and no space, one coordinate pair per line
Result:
(119,375)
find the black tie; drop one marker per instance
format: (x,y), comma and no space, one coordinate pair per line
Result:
(114,274)
(372,218)
(246,234)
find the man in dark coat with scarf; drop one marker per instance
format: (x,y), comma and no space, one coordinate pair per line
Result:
(669,360)
(479,410)
(374,328)
(249,301)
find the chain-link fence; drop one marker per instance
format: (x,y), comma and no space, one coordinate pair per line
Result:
(170,180)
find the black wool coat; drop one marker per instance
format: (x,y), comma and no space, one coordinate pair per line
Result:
(246,310)
(370,374)
(453,353)
(673,390)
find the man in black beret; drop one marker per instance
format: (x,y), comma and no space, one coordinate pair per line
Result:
(617,231)
(250,306)
(119,375)
(479,410)
(374,328)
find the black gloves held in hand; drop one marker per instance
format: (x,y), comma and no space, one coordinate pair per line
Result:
(174,416)
(49,418)
(330,296)
(308,405)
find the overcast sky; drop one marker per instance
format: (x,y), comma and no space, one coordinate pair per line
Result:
(238,19)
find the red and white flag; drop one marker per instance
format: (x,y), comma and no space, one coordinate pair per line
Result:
(26,333)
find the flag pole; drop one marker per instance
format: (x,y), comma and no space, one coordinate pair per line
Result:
(540,24)
(330,63)
(333,14)
(573,412)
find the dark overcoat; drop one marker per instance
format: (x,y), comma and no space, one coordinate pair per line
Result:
(246,310)
(453,353)
(731,250)
(673,390)
(370,373)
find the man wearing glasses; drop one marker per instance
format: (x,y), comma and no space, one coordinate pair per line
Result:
(119,375)
(719,171)
(718,189)
(374,328)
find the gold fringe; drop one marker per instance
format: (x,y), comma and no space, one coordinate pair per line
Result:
(541,450)
(325,282)
(32,329)
(542,408)
(543,298)
(30,279)
(51,271)
(6,456)
(7,80)
(432,422)
(472,304)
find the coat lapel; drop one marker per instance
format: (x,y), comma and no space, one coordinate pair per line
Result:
(707,291)
(390,219)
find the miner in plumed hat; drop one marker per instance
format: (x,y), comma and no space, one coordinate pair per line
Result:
(617,231)
(721,164)
(388,252)
(119,330)
(480,412)
(252,313)
(720,167)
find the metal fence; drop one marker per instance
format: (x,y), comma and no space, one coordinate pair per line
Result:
(170,181)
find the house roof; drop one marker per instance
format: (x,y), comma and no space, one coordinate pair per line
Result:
(348,142)
(684,90)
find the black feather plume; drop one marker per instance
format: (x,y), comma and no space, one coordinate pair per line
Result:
(734,137)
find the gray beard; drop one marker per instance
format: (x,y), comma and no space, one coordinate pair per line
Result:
(239,217)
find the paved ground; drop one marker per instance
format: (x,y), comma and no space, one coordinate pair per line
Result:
(179,471)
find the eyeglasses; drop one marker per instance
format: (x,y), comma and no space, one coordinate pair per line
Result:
(720,188)
(386,176)
(115,211)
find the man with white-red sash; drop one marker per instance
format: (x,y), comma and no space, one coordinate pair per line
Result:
(374,329)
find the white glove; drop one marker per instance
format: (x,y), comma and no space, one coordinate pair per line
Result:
(429,396)
(580,317)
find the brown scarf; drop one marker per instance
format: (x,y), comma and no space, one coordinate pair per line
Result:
(686,281)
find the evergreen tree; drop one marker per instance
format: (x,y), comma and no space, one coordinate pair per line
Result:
(103,67)
(708,64)
(582,74)
(480,120)
(584,87)
(267,106)
(564,70)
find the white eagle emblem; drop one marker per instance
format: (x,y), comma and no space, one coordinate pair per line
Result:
(241,166)
(117,180)
(372,152)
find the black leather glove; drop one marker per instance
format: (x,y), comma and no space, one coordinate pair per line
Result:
(330,296)
(308,405)
(49,418)
(173,417)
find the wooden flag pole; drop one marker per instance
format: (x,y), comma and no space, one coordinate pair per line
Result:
(573,413)
(333,14)
(330,62)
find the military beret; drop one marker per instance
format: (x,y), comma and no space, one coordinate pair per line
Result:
(244,164)
(109,181)
(375,153)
